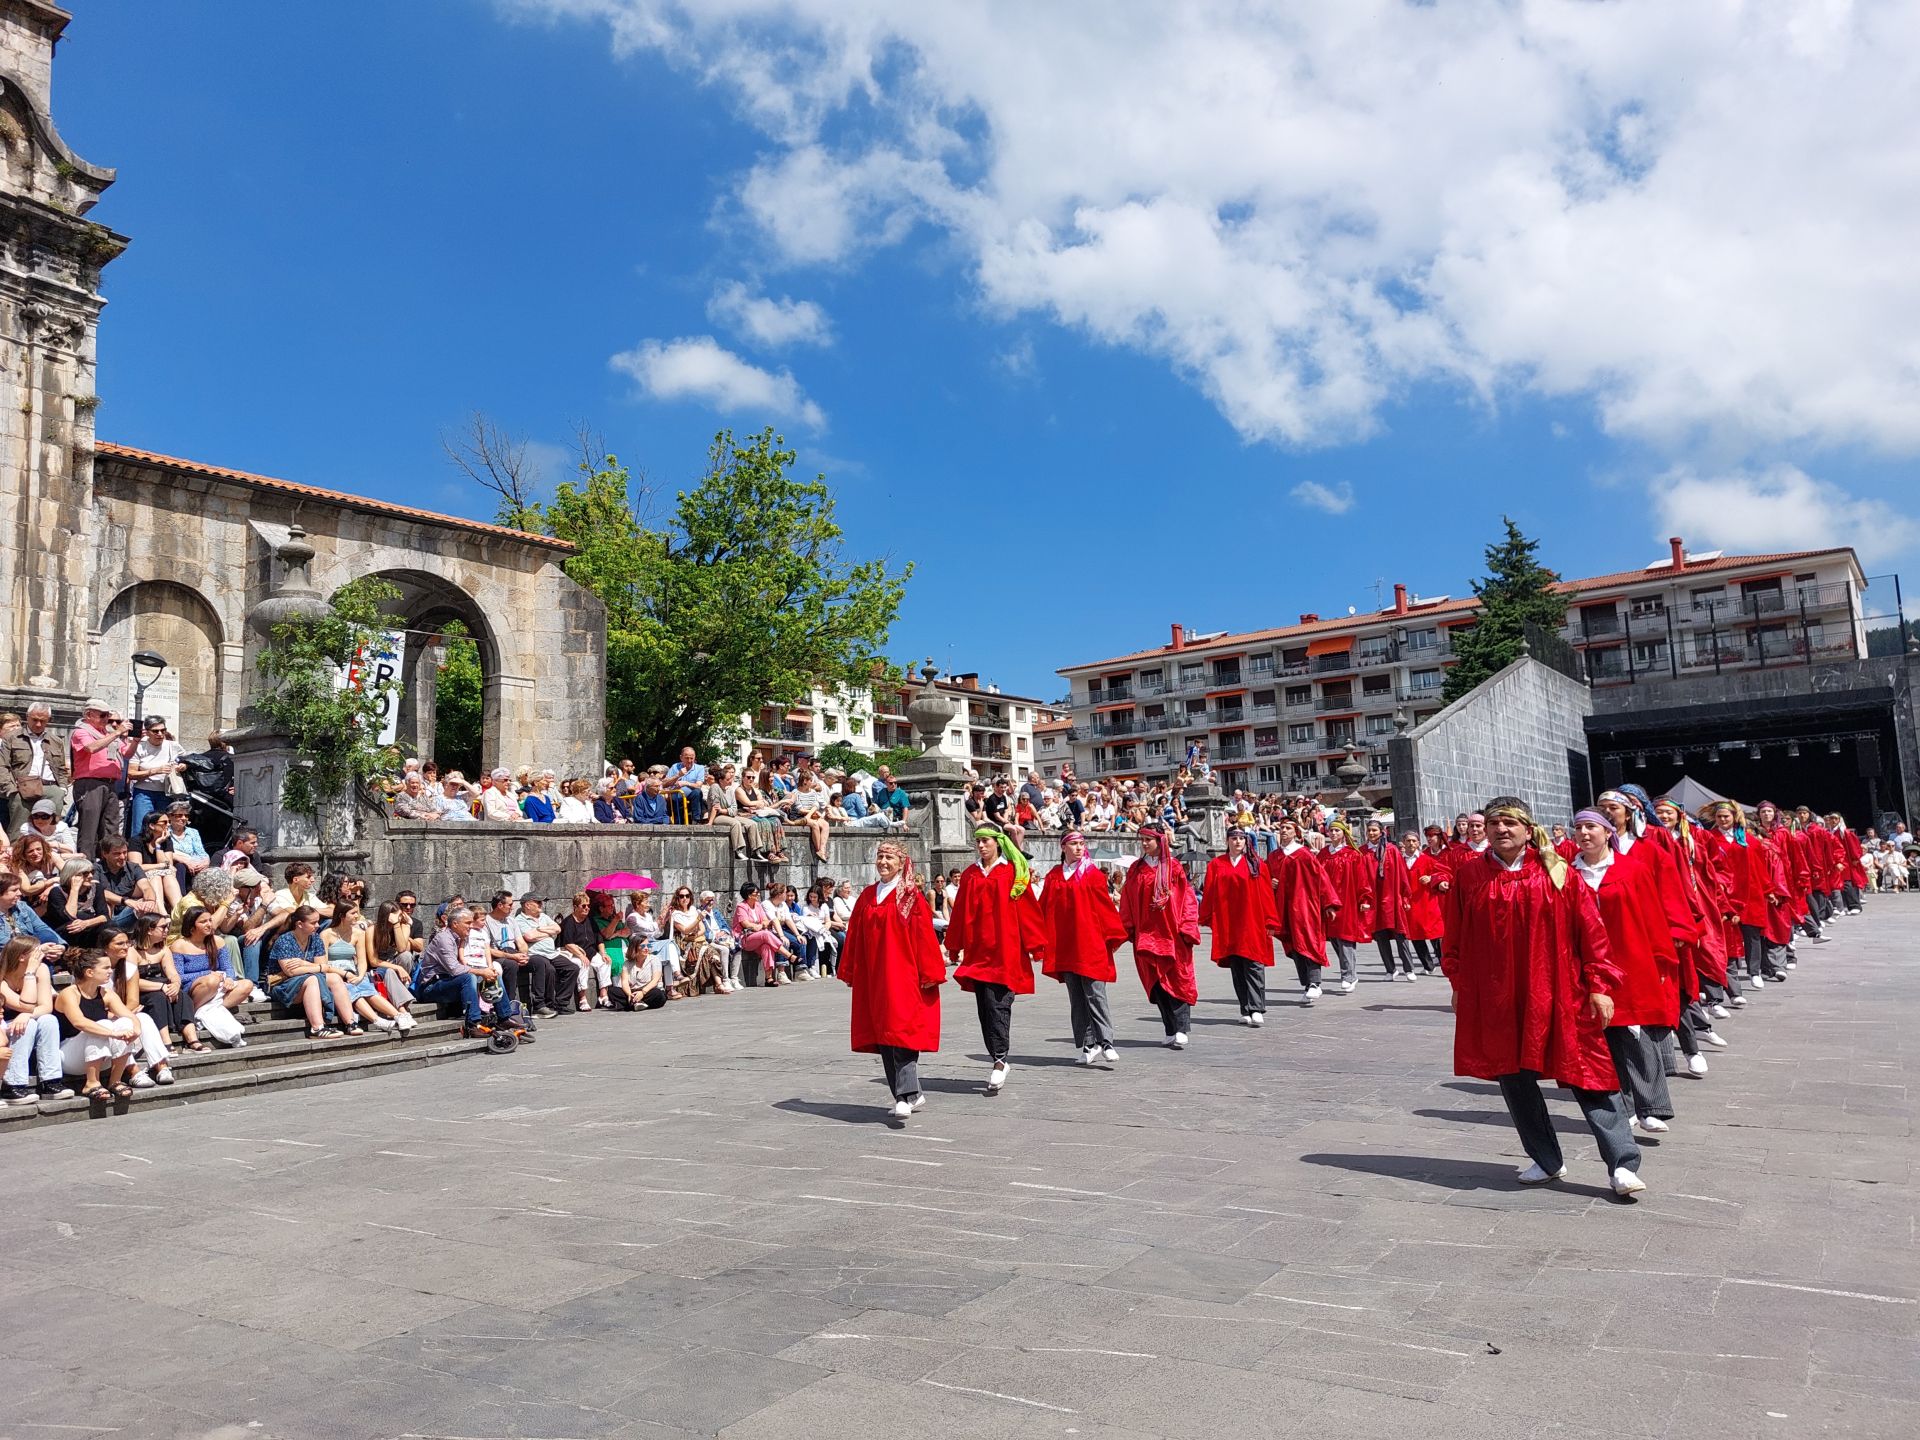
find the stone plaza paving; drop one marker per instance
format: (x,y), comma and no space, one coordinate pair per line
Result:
(697,1222)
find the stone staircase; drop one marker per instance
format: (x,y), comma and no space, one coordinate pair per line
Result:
(277,1056)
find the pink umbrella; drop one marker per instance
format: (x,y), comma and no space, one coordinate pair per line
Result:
(621,881)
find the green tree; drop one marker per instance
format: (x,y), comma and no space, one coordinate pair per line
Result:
(331,728)
(458,702)
(1517,591)
(742,599)
(838,755)
(896,756)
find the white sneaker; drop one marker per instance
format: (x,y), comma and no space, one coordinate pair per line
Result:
(1109,1054)
(141,1080)
(1257,1019)
(997,1076)
(1313,992)
(1179,1042)
(1652,1124)
(901,1109)
(1739,1002)
(1718,1012)
(1759,982)
(920,1100)
(1696,1064)
(1534,1174)
(1346,986)
(381,1022)
(1089,1055)
(1625,1182)
(1712,1037)
(1246,1019)
(406,1022)
(1793,964)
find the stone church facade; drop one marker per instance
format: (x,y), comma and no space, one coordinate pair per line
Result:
(106,549)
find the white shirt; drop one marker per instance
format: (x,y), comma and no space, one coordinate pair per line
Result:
(1592,874)
(167,752)
(574,811)
(1289,849)
(1518,861)
(881,892)
(1076,869)
(39,766)
(1625,840)
(998,861)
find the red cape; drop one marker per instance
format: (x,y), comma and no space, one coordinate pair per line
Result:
(1083,927)
(1700,875)
(1424,878)
(1392,892)
(1779,926)
(892,962)
(1851,849)
(1301,897)
(1237,906)
(1638,941)
(1350,872)
(1523,956)
(997,937)
(1163,936)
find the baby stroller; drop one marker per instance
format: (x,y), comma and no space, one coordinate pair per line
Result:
(206,781)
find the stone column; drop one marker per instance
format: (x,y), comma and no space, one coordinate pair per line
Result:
(936,784)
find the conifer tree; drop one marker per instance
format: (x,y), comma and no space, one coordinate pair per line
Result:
(1517,591)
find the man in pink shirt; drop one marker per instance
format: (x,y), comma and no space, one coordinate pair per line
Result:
(99,747)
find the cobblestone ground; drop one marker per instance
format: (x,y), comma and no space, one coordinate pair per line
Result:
(697,1221)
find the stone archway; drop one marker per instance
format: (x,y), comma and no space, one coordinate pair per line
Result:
(179,624)
(427,603)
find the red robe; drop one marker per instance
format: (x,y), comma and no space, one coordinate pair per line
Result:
(1236,904)
(1799,871)
(1829,859)
(1392,892)
(1164,936)
(1638,941)
(1523,957)
(1855,872)
(997,936)
(1779,926)
(1350,872)
(893,963)
(1729,862)
(1426,876)
(1708,954)
(1565,848)
(1302,896)
(1083,927)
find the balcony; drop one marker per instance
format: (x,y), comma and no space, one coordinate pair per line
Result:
(1222,679)
(1330,704)
(1223,719)
(1265,712)
(1367,658)
(1376,698)
(981,718)
(1420,695)
(1607,665)
(1268,747)
(1306,704)
(1115,725)
(1292,667)
(1593,624)
(984,751)
(801,734)
(1151,687)
(1332,664)
(1227,753)
(1122,691)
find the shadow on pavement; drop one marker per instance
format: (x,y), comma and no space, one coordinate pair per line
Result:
(1447,1174)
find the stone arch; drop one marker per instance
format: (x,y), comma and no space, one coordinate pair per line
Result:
(184,627)
(427,602)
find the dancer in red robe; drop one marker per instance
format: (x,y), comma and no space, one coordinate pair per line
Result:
(1304,901)
(1747,858)
(1469,840)
(1083,931)
(1427,873)
(1853,876)
(1162,917)
(996,934)
(1821,855)
(1533,986)
(892,961)
(1236,905)
(1642,839)
(1641,948)
(1778,931)
(1727,864)
(1392,901)
(1350,871)
(1703,960)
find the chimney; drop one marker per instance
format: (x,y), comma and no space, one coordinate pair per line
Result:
(1399,599)
(1308,619)
(1179,641)
(1679,552)
(969,681)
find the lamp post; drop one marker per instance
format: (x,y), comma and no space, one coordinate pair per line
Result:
(148,666)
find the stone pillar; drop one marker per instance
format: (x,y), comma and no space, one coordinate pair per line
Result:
(1206,808)
(937,785)
(50,302)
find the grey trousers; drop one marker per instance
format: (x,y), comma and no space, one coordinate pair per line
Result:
(903,1071)
(1087,1010)
(1175,1015)
(1643,1074)
(1249,985)
(1604,1111)
(1349,957)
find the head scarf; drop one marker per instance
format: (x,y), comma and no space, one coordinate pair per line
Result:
(1542,842)
(1344,831)
(1163,870)
(909,885)
(1595,817)
(1636,818)
(1638,794)
(1253,862)
(1021,874)
(1682,825)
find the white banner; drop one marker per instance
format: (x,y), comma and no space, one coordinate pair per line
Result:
(376,669)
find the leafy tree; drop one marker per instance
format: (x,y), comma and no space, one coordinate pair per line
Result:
(331,728)
(458,702)
(1517,591)
(742,599)
(843,757)
(896,756)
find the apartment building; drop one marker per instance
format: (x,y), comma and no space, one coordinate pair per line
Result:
(1276,709)
(992,734)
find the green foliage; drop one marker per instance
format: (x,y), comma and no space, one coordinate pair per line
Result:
(330,728)
(896,756)
(1516,592)
(742,600)
(458,704)
(843,757)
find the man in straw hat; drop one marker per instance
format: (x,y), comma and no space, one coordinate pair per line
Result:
(1533,990)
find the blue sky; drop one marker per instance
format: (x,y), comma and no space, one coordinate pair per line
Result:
(1028,367)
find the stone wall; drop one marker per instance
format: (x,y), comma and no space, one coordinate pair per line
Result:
(1510,735)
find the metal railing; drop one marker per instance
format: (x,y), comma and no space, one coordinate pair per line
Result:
(985,720)
(1328,703)
(1332,664)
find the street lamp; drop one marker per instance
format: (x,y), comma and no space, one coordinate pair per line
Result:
(148,666)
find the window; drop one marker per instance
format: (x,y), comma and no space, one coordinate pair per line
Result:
(1196,710)
(1648,607)
(1379,725)
(1290,658)
(1373,649)
(1299,694)
(1124,757)
(1020,713)
(1263,699)
(1156,750)
(1151,679)
(1266,735)
(1712,597)
(1423,639)
(1376,685)
(1377,766)
(1300,734)
(1020,743)
(1190,672)
(1339,732)
(1428,679)
(1269,774)
(1647,654)
(1095,693)
(1046,744)
(1302,772)
(1260,665)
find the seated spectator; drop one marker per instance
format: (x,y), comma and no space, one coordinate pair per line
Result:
(647,986)
(16,915)
(574,807)
(579,941)
(841,912)
(608,808)
(155,855)
(391,948)
(456,800)
(44,820)
(27,1024)
(818,819)
(257,922)
(97,1030)
(148,981)
(496,798)
(553,975)
(643,934)
(815,918)
(299,979)
(610,928)
(206,976)
(718,935)
(767,951)
(121,888)
(38,871)
(699,965)
(82,921)
(345,940)
(759,804)
(442,976)
(414,802)
(241,853)
(537,803)
(685,787)
(650,805)
(189,850)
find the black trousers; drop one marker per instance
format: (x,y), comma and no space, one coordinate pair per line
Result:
(1643,1075)
(1605,1112)
(1393,945)
(1762,956)
(1249,985)
(98,813)
(903,1071)
(995,1004)
(553,980)
(1176,1015)
(1307,970)
(1850,895)
(1821,903)
(1429,953)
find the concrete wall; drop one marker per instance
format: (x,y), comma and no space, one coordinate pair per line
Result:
(1508,736)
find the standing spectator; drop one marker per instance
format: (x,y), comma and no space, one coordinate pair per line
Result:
(97,750)
(37,763)
(151,770)
(685,787)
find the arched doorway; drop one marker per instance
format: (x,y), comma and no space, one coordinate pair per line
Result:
(431,607)
(176,623)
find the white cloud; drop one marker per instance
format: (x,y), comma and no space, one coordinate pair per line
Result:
(768,321)
(1781,508)
(700,369)
(1335,499)
(1018,359)
(1695,218)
